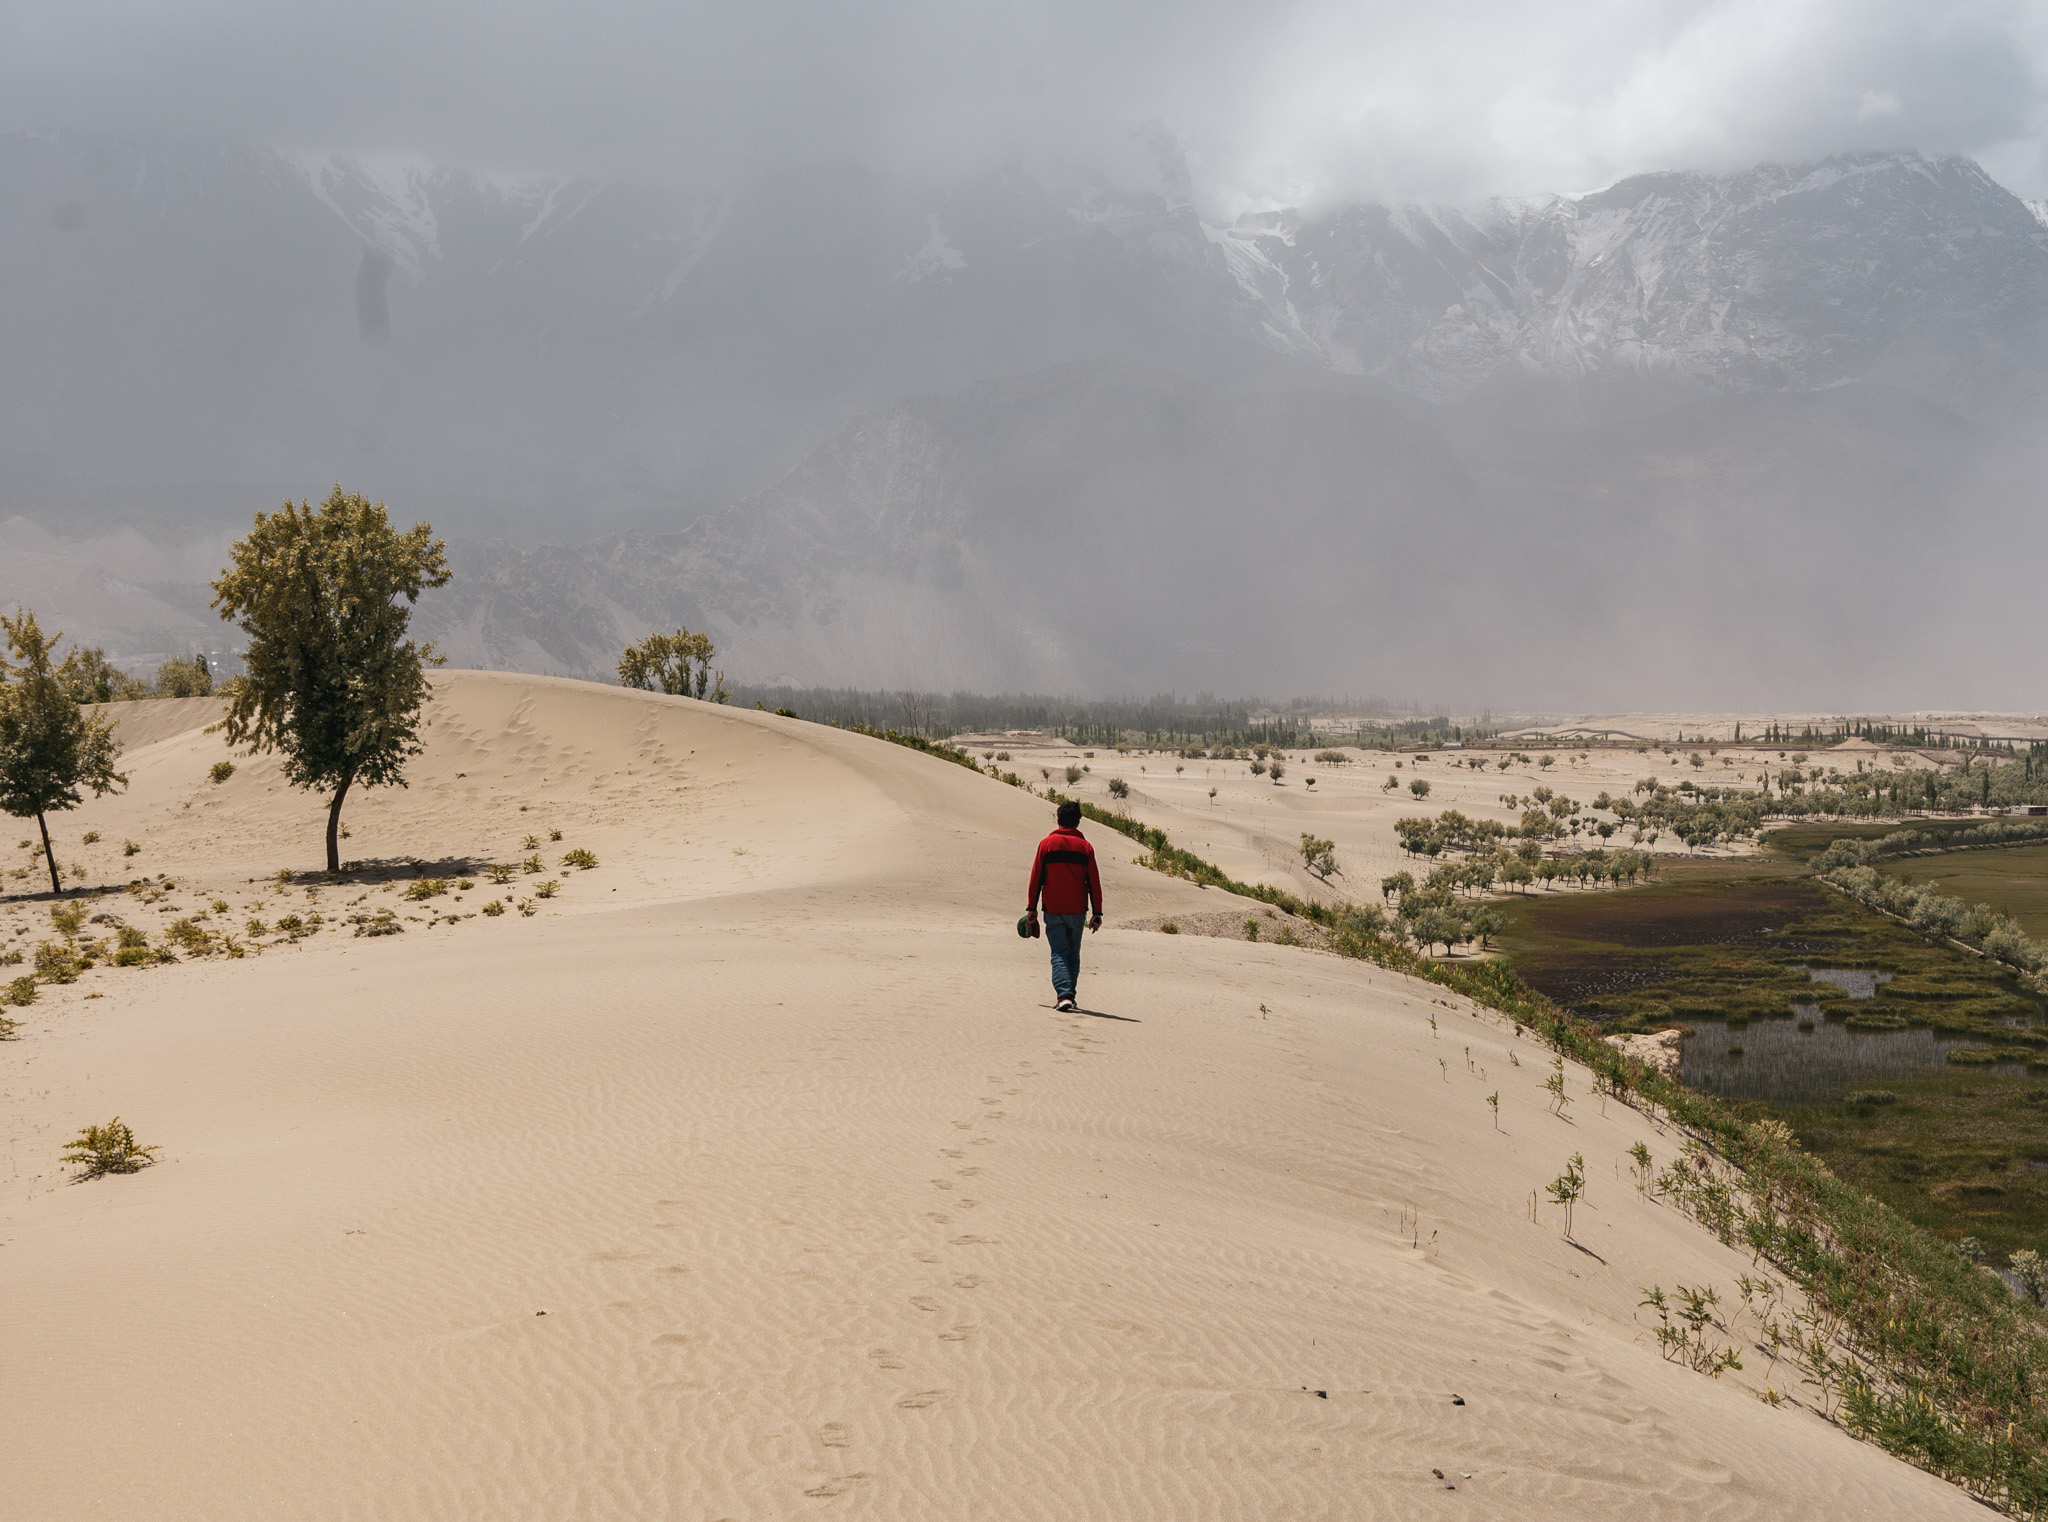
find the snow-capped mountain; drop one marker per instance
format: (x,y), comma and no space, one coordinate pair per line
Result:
(818,405)
(1920,272)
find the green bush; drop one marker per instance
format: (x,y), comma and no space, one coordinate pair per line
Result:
(220,771)
(426,888)
(494,908)
(579,858)
(20,991)
(111,1148)
(547,889)
(57,964)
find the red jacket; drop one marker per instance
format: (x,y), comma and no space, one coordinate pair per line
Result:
(1064,871)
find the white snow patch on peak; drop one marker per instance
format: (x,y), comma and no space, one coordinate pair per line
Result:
(2039,209)
(707,218)
(387,204)
(937,259)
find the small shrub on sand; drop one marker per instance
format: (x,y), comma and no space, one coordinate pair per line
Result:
(189,934)
(531,843)
(463,885)
(532,864)
(1168,927)
(130,848)
(68,921)
(547,889)
(57,964)
(1258,768)
(554,834)
(1567,1187)
(290,924)
(220,906)
(92,837)
(526,908)
(134,950)
(257,928)
(425,888)
(500,871)
(1419,786)
(111,1148)
(20,991)
(1073,775)
(579,858)
(1118,788)
(495,908)
(1277,769)
(220,771)
(1251,930)
(383,922)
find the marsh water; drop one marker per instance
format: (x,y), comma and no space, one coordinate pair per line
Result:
(1782,1064)
(1807,1058)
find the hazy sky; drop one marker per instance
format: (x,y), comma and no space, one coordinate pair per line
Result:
(1285,101)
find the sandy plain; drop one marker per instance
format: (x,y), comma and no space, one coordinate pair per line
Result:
(753,1176)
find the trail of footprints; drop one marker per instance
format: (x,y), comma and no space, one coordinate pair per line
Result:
(1075,1043)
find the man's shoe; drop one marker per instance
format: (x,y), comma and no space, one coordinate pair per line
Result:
(1067,1006)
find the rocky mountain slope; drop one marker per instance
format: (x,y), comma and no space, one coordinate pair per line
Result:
(846,419)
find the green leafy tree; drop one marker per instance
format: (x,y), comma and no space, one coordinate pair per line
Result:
(90,677)
(325,595)
(184,677)
(678,664)
(1319,856)
(50,747)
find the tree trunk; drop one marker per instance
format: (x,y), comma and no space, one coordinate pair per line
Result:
(334,825)
(56,883)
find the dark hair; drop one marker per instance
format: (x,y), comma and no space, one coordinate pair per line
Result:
(1070,814)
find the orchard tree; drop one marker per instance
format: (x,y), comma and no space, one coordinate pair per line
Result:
(325,595)
(1319,856)
(49,746)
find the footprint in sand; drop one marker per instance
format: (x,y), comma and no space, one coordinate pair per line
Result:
(838,1485)
(958,1334)
(924,1302)
(968,1281)
(886,1358)
(836,1435)
(921,1400)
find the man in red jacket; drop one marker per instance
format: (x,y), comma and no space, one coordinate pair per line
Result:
(1064,875)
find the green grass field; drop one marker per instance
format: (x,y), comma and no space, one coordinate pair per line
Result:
(2013,879)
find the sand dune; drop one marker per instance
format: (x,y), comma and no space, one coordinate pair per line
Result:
(754,1177)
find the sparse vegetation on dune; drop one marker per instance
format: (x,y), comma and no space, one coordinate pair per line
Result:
(678,664)
(112,1148)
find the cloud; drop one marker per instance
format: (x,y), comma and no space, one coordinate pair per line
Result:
(1296,101)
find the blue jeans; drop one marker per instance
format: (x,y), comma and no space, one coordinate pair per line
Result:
(1063,935)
